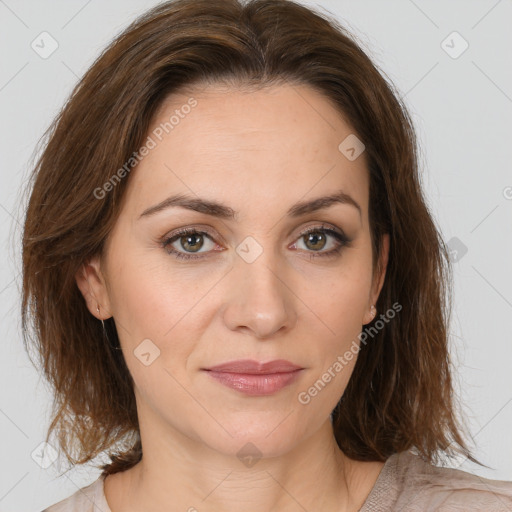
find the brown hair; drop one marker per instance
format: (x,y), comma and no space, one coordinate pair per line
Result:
(400,393)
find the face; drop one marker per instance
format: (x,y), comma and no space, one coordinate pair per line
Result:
(269,279)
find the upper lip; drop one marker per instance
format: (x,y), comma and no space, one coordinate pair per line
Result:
(255,367)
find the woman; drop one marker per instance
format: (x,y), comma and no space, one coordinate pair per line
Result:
(236,288)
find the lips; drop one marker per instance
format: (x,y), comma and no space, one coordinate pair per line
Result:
(249,366)
(255,378)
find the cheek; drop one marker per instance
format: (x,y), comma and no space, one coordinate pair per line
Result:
(155,324)
(340,306)
(340,298)
(160,309)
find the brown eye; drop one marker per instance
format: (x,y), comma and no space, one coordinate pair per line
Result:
(187,244)
(192,242)
(315,240)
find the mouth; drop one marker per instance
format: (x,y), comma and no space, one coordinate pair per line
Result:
(255,378)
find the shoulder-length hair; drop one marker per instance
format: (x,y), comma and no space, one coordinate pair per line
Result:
(400,394)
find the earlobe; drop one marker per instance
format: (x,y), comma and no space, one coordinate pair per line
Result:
(370,315)
(91,283)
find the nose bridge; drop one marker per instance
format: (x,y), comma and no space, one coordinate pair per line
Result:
(262,302)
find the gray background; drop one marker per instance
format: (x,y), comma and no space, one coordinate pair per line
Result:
(462,108)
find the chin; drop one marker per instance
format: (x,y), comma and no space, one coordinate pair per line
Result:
(264,435)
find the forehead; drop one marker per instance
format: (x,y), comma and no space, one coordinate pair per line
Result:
(277,144)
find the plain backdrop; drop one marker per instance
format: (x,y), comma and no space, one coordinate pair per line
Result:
(461,103)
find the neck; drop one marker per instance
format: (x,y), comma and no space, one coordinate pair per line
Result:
(177,470)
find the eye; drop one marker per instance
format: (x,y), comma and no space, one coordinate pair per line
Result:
(317,238)
(189,239)
(187,243)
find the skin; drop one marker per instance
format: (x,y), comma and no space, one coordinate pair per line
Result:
(258,153)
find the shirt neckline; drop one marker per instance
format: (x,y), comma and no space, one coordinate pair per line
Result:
(373,501)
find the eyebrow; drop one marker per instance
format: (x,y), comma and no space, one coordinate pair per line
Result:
(221,211)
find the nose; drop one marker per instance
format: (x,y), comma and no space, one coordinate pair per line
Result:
(262,302)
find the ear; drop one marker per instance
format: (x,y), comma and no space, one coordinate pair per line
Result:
(92,284)
(378,278)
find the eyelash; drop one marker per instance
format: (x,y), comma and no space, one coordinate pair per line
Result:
(341,238)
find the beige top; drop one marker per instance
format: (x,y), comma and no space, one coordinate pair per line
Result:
(406,483)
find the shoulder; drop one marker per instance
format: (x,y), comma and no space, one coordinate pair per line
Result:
(87,499)
(423,486)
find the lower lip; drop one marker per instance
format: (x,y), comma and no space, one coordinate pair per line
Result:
(255,384)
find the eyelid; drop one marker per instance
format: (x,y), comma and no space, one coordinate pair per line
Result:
(323,225)
(207,230)
(199,229)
